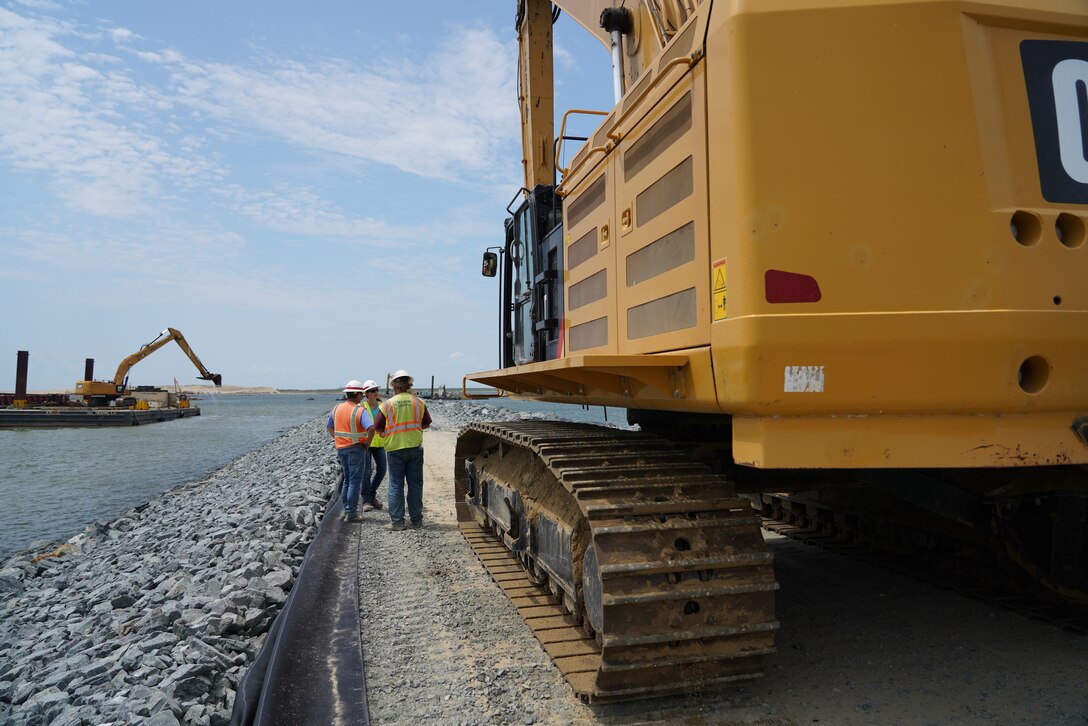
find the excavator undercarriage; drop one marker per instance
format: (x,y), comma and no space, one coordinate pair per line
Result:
(647,567)
(642,570)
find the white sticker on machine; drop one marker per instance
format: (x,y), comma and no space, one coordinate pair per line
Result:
(804,379)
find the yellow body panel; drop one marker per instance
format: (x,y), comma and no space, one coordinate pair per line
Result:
(98,388)
(900,442)
(884,152)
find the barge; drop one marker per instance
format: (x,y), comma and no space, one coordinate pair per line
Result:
(145,405)
(80,417)
(103,403)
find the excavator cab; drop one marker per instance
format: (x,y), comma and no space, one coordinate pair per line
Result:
(532,290)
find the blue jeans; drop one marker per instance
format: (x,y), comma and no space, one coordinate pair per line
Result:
(355,461)
(405,464)
(378,456)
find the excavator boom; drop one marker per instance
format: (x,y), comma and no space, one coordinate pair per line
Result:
(162,339)
(116,387)
(636,35)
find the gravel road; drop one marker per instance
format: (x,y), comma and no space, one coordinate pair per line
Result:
(858,644)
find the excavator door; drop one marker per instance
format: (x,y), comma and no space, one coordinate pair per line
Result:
(534,295)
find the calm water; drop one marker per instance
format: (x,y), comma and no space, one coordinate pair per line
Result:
(54,482)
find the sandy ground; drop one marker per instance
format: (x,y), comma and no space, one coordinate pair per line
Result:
(857,645)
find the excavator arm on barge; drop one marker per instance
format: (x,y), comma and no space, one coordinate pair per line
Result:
(106,390)
(829,258)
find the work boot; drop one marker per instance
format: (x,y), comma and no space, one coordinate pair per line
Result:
(368,507)
(417,523)
(375,503)
(355,517)
(396,527)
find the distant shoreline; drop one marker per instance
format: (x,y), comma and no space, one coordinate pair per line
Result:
(212,390)
(200,390)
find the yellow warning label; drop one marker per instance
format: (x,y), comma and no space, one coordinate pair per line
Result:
(717,277)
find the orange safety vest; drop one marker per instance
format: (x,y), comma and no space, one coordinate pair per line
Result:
(403,421)
(345,422)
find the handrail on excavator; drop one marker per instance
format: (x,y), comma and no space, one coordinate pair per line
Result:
(614,136)
(478,396)
(562,133)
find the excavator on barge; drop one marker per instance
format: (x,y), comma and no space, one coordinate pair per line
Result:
(831,258)
(101,393)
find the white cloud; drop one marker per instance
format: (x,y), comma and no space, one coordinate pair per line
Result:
(39,4)
(302,212)
(564,58)
(110,146)
(448,116)
(103,58)
(256,289)
(61,116)
(179,267)
(461,362)
(121,35)
(113,256)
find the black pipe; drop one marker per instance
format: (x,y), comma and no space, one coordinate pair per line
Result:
(22,363)
(88,370)
(310,668)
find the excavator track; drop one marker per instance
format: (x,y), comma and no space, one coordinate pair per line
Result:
(640,572)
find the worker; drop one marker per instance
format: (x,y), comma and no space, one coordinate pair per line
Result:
(352,428)
(377,450)
(401,421)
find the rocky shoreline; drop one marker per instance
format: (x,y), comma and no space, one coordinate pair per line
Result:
(154,617)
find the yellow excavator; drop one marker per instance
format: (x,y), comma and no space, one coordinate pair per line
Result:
(830,256)
(100,393)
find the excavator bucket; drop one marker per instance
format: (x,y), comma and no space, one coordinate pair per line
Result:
(215,378)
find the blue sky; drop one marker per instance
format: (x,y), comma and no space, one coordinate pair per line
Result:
(304,190)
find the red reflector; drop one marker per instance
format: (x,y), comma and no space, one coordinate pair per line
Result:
(790,287)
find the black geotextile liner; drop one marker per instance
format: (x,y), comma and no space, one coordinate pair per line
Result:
(310,668)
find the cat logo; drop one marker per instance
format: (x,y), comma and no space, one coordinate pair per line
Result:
(1056,75)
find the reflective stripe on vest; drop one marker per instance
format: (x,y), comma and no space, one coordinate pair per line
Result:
(346,429)
(377,442)
(403,421)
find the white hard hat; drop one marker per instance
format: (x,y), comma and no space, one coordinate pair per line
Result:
(402,374)
(353,386)
(370,385)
